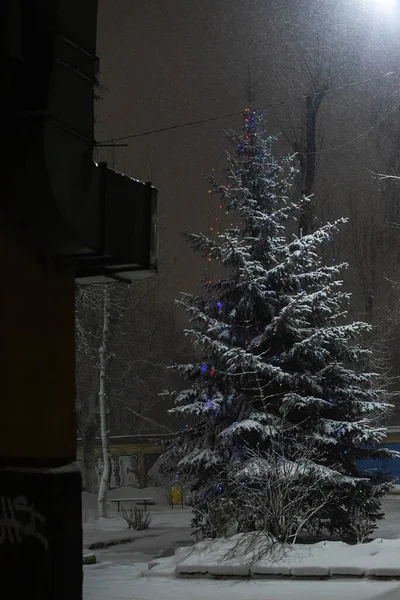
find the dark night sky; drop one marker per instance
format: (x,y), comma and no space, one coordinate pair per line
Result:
(170,61)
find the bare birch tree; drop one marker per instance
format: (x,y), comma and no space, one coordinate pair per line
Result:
(104,409)
(88,334)
(141,338)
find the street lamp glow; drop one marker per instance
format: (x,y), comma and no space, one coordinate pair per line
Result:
(387,5)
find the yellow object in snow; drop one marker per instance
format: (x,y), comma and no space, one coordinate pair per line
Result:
(176,494)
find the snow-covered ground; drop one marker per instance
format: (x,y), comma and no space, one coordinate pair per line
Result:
(117,574)
(122,582)
(169,529)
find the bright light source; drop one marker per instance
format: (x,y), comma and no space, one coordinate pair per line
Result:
(387,5)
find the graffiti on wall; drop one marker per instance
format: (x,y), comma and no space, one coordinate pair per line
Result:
(124,471)
(131,459)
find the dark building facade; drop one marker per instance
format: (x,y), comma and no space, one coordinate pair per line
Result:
(63,219)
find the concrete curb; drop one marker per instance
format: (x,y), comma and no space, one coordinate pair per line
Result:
(106,544)
(299,574)
(89,559)
(278,570)
(275,573)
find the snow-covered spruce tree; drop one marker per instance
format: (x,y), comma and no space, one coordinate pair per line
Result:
(279,366)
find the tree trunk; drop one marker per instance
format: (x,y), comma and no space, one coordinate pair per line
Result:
(308,162)
(89,465)
(104,407)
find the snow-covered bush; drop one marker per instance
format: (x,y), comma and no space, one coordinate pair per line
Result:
(282,497)
(215,519)
(136,518)
(361,524)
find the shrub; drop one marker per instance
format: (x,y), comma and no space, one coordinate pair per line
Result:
(136,518)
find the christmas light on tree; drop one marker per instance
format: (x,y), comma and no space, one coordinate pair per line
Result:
(278,359)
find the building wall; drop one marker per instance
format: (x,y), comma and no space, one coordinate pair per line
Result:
(40,174)
(130,462)
(37,350)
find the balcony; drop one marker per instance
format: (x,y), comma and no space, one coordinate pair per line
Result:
(123,239)
(100,223)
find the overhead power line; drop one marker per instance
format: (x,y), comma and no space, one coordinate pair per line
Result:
(238,112)
(360,135)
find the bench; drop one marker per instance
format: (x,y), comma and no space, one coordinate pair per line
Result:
(144,501)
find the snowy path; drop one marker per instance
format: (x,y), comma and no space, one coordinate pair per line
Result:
(119,582)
